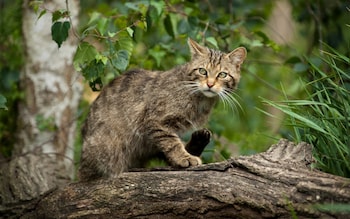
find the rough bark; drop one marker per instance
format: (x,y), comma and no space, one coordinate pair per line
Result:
(278,183)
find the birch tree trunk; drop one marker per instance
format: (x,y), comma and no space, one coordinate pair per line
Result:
(52,89)
(43,156)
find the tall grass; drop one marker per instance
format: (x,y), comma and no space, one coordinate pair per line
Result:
(323,118)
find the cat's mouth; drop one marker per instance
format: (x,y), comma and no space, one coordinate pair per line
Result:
(209,93)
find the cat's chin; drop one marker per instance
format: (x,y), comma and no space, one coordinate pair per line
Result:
(209,93)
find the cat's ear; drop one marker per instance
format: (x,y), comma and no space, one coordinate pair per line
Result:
(237,56)
(196,49)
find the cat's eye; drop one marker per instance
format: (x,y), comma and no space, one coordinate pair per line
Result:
(202,71)
(222,74)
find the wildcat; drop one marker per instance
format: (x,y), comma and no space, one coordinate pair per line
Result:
(142,113)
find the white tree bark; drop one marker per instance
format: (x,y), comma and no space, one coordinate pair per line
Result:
(52,89)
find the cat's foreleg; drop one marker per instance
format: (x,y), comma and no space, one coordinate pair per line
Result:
(199,140)
(171,145)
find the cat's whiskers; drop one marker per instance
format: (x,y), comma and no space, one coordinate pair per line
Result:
(190,86)
(237,99)
(228,99)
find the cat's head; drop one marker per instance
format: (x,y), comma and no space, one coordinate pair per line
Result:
(215,73)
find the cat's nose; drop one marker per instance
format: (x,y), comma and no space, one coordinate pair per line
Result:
(210,85)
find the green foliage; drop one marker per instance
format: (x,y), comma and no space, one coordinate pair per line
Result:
(11,60)
(323,118)
(3,102)
(149,31)
(10,38)
(324,22)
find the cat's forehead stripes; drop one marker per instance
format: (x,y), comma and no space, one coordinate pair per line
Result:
(215,57)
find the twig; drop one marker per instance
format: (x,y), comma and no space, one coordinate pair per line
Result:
(71,22)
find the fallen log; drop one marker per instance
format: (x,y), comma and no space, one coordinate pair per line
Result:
(278,183)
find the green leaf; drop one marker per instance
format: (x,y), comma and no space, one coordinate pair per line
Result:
(111,34)
(124,42)
(59,32)
(138,6)
(36,5)
(159,5)
(56,15)
(97,22)
(93,70)
(3,102)
(150,16)
(101,58)
(153,13)
(87,31)
(212,41)
(121,60)
(94,16)
(84,55)
(130,31)
(41,14)
(170,24)
(102,24)
(133,6)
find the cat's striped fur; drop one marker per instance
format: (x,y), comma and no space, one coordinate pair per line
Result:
(142,113)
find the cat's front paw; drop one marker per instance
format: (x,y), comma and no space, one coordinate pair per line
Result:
(188,161)
(199,140)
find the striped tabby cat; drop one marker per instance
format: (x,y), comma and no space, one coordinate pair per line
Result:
(142,113)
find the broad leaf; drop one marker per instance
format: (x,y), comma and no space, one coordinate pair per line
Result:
(84,55)
(121,60)
(59,32)
(130,31)
(212,41)
(170,25)
(124,42)
(56,15)
(93,70)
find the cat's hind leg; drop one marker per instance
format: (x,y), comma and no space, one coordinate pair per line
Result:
(199,140)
